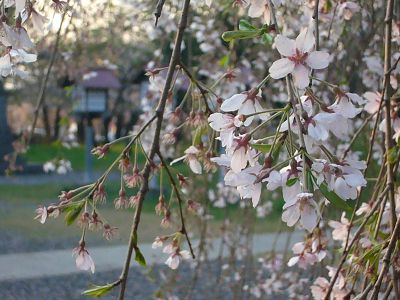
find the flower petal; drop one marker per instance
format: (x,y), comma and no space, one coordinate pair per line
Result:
(281,68)
(305,40)
(233,103)
(318,60)
(300,76)
(285,46)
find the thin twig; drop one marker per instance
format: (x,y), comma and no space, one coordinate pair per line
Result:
(43,85)
(178,196)
(174,61)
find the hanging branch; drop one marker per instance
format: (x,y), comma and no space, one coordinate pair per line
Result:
(175,58)
(158,11)
(296,113)
(178,196)
(387,93)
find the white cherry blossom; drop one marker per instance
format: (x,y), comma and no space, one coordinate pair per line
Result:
(340,229)
(83,260)
(244,181)
(303,257)
(344,179)
(302,209)
(246,103)
(226,125)
(176,255)
(298,58)
(191,157)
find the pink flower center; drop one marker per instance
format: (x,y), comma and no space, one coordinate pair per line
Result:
(299,57)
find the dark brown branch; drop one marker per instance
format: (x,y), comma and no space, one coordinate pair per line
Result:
(388,146)
(346,251)
(175,58)
(158,11)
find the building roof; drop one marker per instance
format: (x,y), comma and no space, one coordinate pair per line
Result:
(100,78)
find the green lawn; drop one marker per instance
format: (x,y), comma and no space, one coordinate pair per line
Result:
(20,203)
(40,153)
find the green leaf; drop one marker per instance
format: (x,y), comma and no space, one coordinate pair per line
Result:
(334,198)
(98,291)
(229,36)
(224,61)
(139,257)
(245,25)
(267,39)
(264,148)
(392,155)
(292,181)
(371,254)
(73,211)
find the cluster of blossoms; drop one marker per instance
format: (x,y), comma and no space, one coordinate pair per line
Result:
(242,159)
(173,249)
(312,123)
(16,39)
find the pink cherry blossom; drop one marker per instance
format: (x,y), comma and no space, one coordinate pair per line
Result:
(340,229)
(320,288)
(344,178)
(226,125)
(83,260)
(344,104)
(347,9)
(246,103)
(261,8)
(302,209)
(176,255)
(373,102)
(298,58)
(279,179)
(241,153)
(191,157)
(244,182)
(41,214)
(303,257)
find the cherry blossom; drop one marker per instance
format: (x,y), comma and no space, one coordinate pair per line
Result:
(226,125)
(347,9)
(320,288)
(244,182)
(158,242)
(344,104)
(373,102)
(246,103)
(302,209)
(340,229)
(135,179)
(191,157)
(83,260)
(241,153)
(344,178)
(41,214)
(176,255)
(298,58)
(260,8)
(302,257)
(280,179)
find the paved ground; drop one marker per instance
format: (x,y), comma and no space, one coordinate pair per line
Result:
(60,262)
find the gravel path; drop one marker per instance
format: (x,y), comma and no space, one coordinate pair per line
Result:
(142,284)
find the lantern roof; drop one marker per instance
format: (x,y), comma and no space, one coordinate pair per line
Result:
(100,78)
